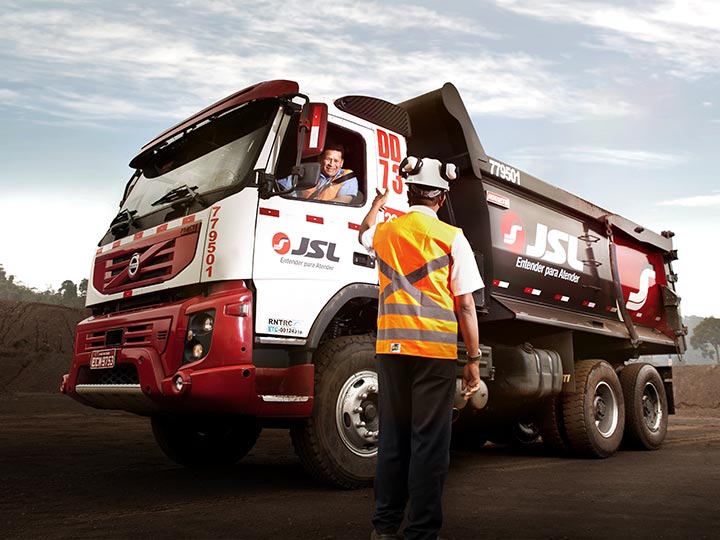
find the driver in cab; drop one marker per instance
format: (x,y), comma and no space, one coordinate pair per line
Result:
(335,183)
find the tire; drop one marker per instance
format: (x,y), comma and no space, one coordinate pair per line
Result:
(594,415)
(467,432)
(552,425)
(205,441)
(338,444)
(524,433)
(646,407)
(517,434)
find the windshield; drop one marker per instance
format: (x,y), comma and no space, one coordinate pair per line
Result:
(215,156)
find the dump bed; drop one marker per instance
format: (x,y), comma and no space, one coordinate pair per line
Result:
(548,257)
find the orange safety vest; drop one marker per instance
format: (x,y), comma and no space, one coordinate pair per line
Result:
(416,314)
(329,190)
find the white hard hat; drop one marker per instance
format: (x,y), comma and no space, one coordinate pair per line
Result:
(428,172)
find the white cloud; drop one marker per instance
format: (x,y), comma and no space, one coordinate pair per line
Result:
(88,64)
(643,159)
(327,19)
(683,34)
(699,201)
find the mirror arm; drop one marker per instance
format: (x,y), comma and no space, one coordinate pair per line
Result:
(303,129)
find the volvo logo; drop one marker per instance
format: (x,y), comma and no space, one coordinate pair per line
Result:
(134,265)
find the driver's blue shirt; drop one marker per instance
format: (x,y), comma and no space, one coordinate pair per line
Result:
(349,187)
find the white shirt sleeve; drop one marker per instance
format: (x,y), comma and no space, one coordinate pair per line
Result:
(464,274)
(367,239)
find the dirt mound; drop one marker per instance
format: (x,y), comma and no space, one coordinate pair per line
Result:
(697,389)
(36,345)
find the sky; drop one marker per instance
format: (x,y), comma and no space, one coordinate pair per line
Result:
(617,102)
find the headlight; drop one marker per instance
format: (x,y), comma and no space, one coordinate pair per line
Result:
(207,324)
(199,336)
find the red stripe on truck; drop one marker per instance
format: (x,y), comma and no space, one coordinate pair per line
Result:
(272,212)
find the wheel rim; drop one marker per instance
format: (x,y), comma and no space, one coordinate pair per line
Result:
(651,407)
(356,413)
(605,409)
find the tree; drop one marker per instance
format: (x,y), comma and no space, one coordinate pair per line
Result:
(706,337)
(82,288)
(68,289)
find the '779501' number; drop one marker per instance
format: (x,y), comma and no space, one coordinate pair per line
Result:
(212,241)
(506,172)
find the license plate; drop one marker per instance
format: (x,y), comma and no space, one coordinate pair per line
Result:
(104,359)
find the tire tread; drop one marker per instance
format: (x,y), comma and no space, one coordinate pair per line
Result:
(582,441)
(306,436)
(636,434)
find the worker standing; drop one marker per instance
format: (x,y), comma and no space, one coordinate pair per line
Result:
(427,275)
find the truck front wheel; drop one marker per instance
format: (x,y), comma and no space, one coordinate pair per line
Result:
(646,408)
(205,441)
(338,444)
(594,415)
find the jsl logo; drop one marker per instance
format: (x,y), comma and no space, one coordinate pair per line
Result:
(550,244)
(636,300)
(313,249)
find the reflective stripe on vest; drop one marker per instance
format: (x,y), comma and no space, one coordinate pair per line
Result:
(416,310)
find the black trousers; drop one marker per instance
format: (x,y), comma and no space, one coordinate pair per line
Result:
(416,400)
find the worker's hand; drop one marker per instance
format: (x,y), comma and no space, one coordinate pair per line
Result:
(380,199)
(470,379)
(371,218)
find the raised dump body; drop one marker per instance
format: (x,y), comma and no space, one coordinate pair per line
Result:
(563,276)
(224,303)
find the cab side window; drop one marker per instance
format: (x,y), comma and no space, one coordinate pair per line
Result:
(343,167)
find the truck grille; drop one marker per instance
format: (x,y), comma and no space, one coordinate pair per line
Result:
(146,261)
(121,374)
(152,334)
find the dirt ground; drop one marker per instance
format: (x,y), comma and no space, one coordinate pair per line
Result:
(69,471)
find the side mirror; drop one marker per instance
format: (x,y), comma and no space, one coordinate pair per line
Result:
(307,175)
(265,183)
(312,129)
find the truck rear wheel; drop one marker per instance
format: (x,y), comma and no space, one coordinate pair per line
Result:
(552,425)
(524,433)
(517,433)
(468,432)
(646,408)
(594,415)
(338,444)
(205,441)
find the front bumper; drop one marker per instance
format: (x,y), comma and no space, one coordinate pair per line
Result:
(149,377)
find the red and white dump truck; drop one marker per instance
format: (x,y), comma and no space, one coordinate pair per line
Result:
(221,304)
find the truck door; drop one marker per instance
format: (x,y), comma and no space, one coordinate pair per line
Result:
(306,249)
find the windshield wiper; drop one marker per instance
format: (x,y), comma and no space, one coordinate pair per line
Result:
(180,193)
(124,220)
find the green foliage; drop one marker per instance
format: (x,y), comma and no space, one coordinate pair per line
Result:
(83,287)
(67,295)
(706,337)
